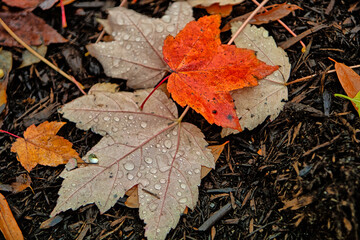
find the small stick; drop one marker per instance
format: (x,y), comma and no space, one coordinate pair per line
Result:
(71,78)
(247,21)
(316,74)
(215,217)
(284,25)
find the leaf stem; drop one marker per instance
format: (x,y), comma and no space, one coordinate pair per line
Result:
(3,131)
(63,17)
(347,97)
(71,78)
(247,21)
(156,87)
(183,114)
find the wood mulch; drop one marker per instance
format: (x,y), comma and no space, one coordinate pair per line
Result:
(304,184)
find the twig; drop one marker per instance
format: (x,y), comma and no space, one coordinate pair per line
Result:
(316,74)
(247,21)
(3,131)
(215,217)
(72,79)
(321,145)
(283,24)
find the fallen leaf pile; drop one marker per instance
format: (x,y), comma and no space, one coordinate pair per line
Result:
(204,71)
(41,145)
(254,105)
(148,148)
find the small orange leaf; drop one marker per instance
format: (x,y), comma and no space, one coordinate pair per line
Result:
(224,10)
(41,145)
(8,225)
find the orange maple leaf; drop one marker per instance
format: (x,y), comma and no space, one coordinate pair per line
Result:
(205,71)
(41,145)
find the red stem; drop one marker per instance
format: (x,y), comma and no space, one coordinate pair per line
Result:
(10,133)
(63,18)
(156,87)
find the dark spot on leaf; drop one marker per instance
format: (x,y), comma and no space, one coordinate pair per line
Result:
(230,117)
(214,111)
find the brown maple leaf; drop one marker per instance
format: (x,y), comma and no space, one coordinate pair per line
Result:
(205,71)
(136,52)
(41,145)
(147,148)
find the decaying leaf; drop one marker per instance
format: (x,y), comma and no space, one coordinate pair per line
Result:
(206,3)
(22,182)
(136,53)
(23,3)
(29,58)
(224,10)
(273,13)
(350,81)
(5,68)
(254,105)
(8,224)
(30,28)
(41,145)
(216,151)
(148,148)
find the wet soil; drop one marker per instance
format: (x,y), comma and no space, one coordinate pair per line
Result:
(304,184)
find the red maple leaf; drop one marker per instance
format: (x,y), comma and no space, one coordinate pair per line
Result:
(205,71)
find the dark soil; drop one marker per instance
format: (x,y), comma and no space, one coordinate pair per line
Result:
(308,153)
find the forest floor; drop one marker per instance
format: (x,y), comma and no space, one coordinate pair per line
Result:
(310,158)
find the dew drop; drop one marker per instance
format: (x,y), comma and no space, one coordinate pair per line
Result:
(139,174)
(196,170)
(163,180)
(179,194)
(131,117)
(96,120)
(183,200)
(183,185)
(90,117)
(148,160)
(73,184)
(116,119)
(157,230)
(160,48)
(115,129)
(129,166)
(189,172)
(168,143)
(141,196)
(174,132)
(128,47)
(153,171)
(164,150)
(126,37)
(265,34)
(170,28)
(198,153)
(153,206)
(137,39)
(144,182)
(143,124)
(159,28)
(166,18)
(157,186)
(130,176)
